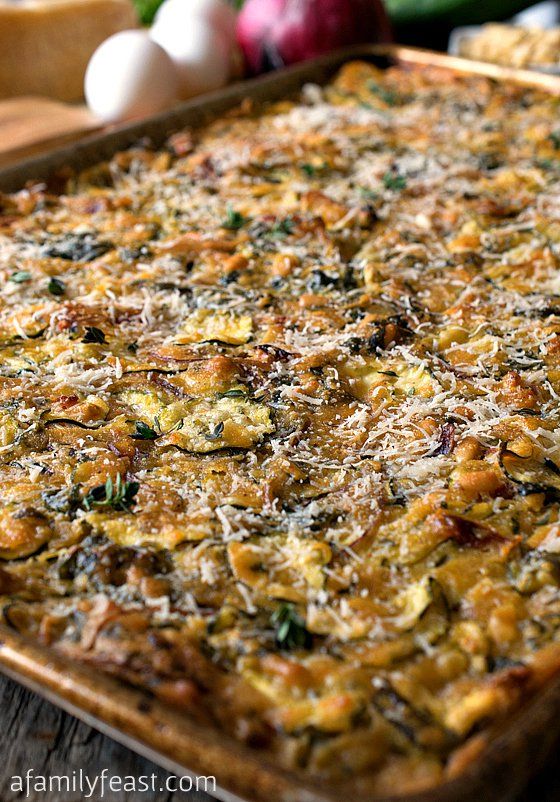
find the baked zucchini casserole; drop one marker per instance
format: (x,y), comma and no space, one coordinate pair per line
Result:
(279,411)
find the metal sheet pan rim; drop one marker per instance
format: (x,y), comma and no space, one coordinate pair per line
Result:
(98,146)
(127,740)
(512,752)
(140,722)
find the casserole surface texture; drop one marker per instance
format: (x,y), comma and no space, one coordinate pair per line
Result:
(279,420)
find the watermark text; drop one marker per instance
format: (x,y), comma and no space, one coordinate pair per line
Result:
(98,786)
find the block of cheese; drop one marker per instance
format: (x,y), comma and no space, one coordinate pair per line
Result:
(45,45)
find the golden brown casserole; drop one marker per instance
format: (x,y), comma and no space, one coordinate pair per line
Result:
(279,420)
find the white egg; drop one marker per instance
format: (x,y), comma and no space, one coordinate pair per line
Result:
(217,13)
(129,76)
(201,53)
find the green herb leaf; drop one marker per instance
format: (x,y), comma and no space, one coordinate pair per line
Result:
(93,335)
(147,10)
(143,431)
(282,228)
(308,169)
(369,194)
(20,276)
(388,96)
(554,138)
(216,433)
(56,286)
(291,632)
(234,220)
(119,495)
(547,164)
(392,180)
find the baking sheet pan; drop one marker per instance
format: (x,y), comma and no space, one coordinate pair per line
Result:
(95,148)
(511,753)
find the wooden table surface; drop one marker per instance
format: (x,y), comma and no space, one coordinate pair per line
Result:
(36,734)
(32,125)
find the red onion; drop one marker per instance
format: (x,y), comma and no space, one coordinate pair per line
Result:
(274,33)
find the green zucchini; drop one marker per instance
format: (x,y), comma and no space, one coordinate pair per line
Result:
(531,475)
(453,12)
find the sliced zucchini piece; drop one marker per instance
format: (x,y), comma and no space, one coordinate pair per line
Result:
(409,721)
(202,425)
(532,475)
(145,404)
(424,610)
(366,376)
(415,380)
(207,324)
(9,429)
(126,530)
(23,531)
(413,603)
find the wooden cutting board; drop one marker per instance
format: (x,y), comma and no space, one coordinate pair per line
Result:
(30,125)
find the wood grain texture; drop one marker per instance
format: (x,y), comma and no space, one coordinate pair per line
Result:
(35,733)
(31,125)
